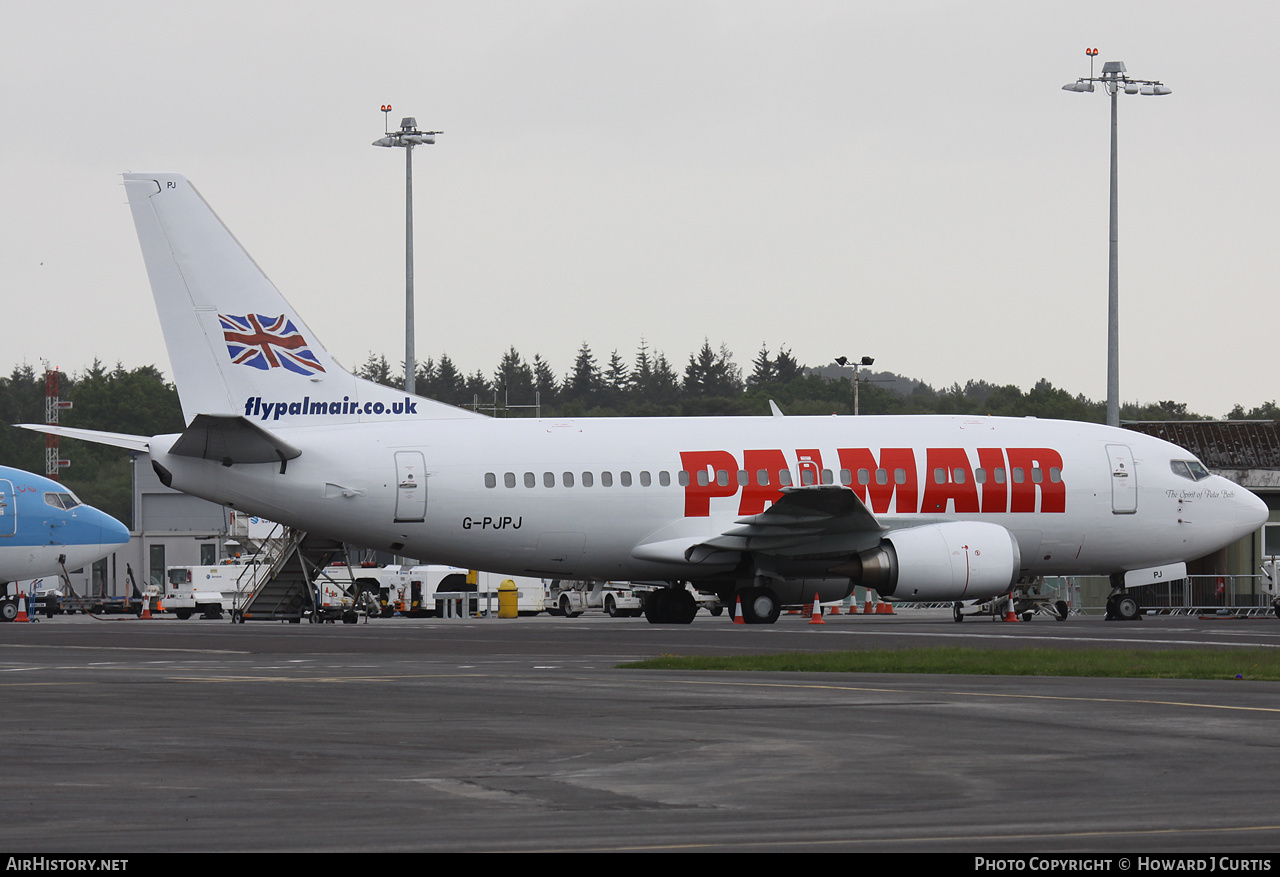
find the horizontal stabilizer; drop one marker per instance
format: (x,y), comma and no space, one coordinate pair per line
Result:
(140,443)
(230,438)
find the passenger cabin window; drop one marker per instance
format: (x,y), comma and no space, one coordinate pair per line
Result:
(509,479)
(490,480)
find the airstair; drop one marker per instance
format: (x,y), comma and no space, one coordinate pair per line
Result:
(287,588)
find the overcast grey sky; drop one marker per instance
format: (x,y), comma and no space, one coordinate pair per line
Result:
(902,180)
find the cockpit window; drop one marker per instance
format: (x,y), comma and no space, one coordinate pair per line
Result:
(1192,470)
(61,500)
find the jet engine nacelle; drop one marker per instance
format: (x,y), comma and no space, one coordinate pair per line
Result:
(962,560)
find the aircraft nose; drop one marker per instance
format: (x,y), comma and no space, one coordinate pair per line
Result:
(112,531)
(1251,512)
(115,532)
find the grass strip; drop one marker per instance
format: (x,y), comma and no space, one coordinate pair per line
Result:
(1252,664)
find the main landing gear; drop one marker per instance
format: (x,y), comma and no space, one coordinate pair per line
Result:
(674,605)
(760,605)
(677,605)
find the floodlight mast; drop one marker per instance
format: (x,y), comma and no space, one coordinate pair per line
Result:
(406,138)
(844,362)
(1114,78)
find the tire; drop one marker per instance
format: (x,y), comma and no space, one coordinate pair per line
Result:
(566,607)
(183,614)
(8,610)
(681,607)
(956,614)
(760,606)
(611,607)
(1061,607)
(1127,608)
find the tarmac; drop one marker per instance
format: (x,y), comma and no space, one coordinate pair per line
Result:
(127,736)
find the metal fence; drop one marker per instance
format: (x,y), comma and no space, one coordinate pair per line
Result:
(1238,594)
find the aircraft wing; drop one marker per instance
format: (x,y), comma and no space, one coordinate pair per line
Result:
(116,439)
(819,518)
(227,438)
(824,520)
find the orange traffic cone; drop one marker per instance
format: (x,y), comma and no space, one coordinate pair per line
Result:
(22,607)
(737,612)
(1009,614)
(868,608)
(883,608)
(146,608)
(815,616)
(834,610)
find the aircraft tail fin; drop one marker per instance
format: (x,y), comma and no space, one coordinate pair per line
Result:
(236,346)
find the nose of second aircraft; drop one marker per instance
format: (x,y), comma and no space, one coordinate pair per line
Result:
(94,527)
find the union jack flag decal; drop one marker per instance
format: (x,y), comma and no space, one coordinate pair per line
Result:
(268,342)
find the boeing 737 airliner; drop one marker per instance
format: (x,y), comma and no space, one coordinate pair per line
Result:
(44,527)
(766,509)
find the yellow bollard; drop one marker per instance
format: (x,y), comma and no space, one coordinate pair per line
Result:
(508,599)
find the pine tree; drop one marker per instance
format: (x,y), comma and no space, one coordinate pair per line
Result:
(584,383)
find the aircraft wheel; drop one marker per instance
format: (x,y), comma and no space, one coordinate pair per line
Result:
(681,607)
(1276,610)
(760,606)
(956,614)
(1061,607)
(653,606)
(1126,608)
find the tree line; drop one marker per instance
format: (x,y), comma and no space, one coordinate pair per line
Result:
(647,384)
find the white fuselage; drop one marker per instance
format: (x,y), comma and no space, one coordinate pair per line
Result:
(577,497)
